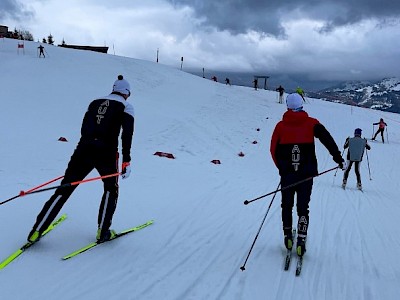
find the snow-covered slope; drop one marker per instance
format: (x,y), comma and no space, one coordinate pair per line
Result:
(202,231)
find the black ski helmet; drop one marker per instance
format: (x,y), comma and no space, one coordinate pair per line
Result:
(357,131)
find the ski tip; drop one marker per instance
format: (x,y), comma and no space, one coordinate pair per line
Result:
(150,222)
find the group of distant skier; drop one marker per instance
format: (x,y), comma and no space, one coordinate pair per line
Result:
(355,153)
(293,151)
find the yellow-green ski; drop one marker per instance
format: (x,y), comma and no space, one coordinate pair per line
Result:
(17,253)
(94,244)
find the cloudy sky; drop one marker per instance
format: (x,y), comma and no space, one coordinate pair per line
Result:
(317,39)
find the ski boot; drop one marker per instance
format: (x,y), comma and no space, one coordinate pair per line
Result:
(359,186)
(288,240)
(344,184)
(105,235)
(34,236)
(301,246)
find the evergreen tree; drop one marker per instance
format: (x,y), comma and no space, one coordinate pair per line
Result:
(15,34)
(26,35)
(50,39)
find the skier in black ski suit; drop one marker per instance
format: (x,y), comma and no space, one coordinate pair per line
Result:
(281,91)
(41,51)
(356,146)
(97,149)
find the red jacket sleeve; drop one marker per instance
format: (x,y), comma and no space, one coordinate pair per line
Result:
(274,143)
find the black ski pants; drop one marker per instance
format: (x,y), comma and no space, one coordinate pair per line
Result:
(356,170)
(85,158)
(303,192)
(380,130)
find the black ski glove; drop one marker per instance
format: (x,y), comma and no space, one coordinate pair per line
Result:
(339,160)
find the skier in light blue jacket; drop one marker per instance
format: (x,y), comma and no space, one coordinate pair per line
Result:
(356,146)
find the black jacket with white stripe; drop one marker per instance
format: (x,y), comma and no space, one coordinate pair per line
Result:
(103,121)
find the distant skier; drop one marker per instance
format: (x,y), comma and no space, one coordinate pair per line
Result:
(300,91)
(356,146)
(227,81)
(293,151)
(41,51)
(97,149)
(381,128)
(214,78)
(255,82)
(281,91)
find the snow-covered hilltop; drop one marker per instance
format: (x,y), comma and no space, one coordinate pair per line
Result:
(382,95)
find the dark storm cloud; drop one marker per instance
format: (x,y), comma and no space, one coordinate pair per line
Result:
(13,9)
(238,16)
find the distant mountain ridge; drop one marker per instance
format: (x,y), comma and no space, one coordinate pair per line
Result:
(382,95)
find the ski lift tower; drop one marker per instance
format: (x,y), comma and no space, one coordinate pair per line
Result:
(262,77)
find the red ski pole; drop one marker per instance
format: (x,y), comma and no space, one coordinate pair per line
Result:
(23,193)
(37,190)
(73,183)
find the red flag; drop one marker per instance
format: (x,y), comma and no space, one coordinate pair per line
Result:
(163,154)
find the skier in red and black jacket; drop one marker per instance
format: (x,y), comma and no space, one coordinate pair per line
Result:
(293,151)
(381,128)
(97,149)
